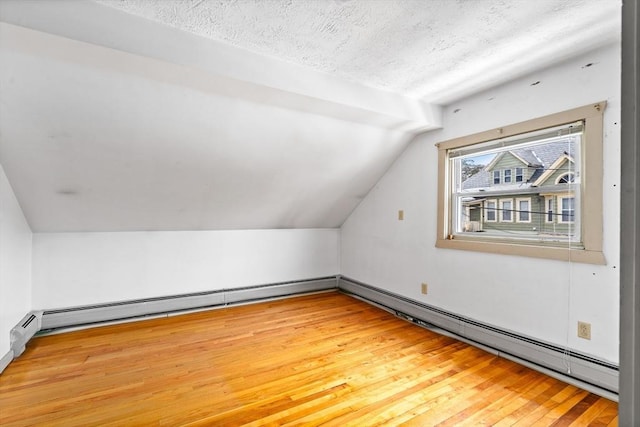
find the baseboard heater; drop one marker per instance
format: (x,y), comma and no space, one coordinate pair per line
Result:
(584,368)
(50,320)
(568,363)
(24,331)
(100,313)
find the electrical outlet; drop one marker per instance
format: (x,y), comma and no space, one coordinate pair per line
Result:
(584,330)
(424,288)
(400,215)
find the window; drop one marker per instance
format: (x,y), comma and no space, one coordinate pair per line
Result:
(507,176)
(550,214)
(549,209)
(519,174)
(523,210)
(506,210)
(567,209)
(567,178)
(490,211)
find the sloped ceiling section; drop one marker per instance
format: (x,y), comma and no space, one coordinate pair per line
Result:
(204,115)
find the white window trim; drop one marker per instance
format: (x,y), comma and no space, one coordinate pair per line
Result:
(516,175)
(517,209)
(560,199)
(565,174)
(493,178)
(503,210)
(495,210)
(548,199)
(591,204)
(504,176)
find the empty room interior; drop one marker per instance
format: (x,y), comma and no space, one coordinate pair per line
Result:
(340,212)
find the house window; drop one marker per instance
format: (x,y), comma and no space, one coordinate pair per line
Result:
(567,209)
(567,178)
(490,211)
(507,176)
(519,174)
(548,201)
(506,210)
(564,221)
(523,210)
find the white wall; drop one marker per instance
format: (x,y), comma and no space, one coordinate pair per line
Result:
(539,298)
(71,269)
(15,263)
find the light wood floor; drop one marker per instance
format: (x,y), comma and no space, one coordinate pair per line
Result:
(319,359)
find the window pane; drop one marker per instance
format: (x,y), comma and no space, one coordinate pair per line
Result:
(523,210)
(543,206)
(491,211)
(506,211)
(519,175)
(568,209)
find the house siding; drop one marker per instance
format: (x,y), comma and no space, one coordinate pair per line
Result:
(563,169)
(509,161)
(537,224)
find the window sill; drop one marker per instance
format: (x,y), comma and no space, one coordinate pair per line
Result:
(556,253)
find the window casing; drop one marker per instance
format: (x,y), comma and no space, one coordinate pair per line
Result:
(523,210)
(507,176)
(490,212)
(549,211)
(545,223)
(506,210)
(567,178)
(567,208)
(519,174)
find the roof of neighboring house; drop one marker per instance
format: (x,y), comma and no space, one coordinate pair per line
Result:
(539,157)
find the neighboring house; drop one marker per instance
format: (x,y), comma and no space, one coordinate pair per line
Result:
(524,191)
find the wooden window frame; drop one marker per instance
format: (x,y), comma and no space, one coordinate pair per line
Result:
(590,202)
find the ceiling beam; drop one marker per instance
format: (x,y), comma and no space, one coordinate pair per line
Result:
(226,69)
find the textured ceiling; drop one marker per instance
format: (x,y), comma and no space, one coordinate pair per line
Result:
(436,50)
(207,115)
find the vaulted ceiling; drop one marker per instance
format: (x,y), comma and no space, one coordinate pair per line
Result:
(200,115)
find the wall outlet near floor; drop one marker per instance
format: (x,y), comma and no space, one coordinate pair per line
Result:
(400,215)
(424,288)
(584,330)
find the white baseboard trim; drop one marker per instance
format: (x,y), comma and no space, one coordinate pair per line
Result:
(595,375)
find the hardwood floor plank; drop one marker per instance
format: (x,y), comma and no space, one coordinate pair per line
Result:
(317,359)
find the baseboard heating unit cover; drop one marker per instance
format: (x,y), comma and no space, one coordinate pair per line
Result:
(24,331)
(78,316)
(50,320)
(584,368)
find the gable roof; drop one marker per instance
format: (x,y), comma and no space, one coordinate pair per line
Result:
(550,170)
(540,157)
